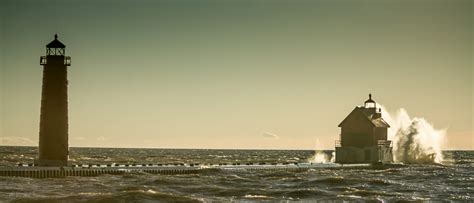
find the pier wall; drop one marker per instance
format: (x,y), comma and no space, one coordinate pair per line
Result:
(32,171)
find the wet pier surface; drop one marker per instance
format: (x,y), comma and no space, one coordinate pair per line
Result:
(32,171)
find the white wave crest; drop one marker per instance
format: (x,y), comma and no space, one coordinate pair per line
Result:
(415,139)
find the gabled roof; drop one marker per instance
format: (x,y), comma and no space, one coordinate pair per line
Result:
(380,122)
(376,122)
(55,43)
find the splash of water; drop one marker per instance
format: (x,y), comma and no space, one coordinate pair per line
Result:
(415,139)
(320,156)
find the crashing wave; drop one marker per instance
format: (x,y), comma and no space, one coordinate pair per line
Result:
(415,140)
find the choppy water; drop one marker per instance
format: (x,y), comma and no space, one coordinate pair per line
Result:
(454,181)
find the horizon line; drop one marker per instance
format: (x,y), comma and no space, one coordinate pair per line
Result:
(198,148)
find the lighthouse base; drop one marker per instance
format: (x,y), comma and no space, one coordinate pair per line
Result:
(370,154)
(47,162)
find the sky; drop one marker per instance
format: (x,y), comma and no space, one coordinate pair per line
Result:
(261,74)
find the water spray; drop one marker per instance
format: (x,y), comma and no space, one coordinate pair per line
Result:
(416,141)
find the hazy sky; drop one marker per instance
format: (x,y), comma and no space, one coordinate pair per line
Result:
(236,74)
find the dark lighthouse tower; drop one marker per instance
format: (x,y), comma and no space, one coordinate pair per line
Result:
(53,135)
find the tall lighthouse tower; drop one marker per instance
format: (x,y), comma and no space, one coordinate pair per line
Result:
(53,133)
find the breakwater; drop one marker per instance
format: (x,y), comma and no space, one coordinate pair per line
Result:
(33,171)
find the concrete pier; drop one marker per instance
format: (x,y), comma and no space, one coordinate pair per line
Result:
(32,171)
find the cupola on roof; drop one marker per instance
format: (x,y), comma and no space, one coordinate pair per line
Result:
(370,99)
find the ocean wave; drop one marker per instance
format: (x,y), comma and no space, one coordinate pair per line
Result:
(259,197)
(305,193)
(446,183)
(329,180)
(379,182)
(366,192)
(335,181)
(129,196)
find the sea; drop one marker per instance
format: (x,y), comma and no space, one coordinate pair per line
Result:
(452,180)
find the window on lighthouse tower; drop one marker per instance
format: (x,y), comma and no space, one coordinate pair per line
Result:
(55,48)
